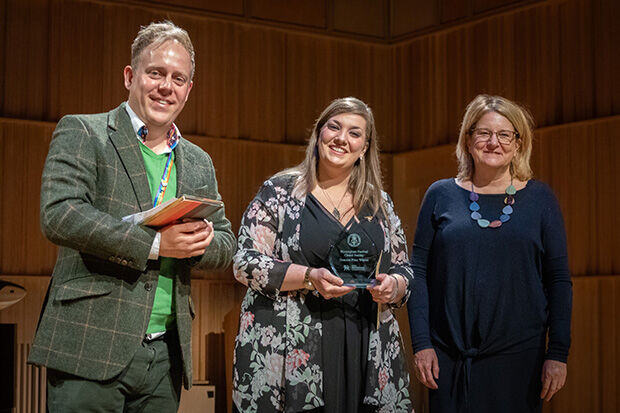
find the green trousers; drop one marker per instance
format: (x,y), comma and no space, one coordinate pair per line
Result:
(151,382)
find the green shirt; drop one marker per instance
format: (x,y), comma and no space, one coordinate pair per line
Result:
(162,315)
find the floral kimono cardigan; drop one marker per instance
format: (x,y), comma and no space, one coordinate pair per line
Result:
(277,361)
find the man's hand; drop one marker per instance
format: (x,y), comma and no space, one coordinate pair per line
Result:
(188,239)
(426,367)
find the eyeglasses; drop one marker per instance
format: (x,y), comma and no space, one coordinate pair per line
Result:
(504,137)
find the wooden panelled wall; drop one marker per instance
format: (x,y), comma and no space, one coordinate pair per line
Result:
(267,84)
(258,90)
(379,21)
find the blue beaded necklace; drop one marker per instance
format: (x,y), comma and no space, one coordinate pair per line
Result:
(506,211)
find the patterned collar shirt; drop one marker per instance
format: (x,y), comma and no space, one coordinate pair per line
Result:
(141,131)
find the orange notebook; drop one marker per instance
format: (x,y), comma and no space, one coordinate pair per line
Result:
(176,209)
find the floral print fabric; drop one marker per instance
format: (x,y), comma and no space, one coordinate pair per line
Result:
(277,361)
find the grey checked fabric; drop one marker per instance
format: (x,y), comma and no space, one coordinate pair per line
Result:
(99,300)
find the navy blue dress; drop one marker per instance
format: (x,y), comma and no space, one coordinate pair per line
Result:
(485,299)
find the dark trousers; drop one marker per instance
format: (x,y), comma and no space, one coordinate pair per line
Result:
(151,382)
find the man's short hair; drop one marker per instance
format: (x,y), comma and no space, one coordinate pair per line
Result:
(158,33)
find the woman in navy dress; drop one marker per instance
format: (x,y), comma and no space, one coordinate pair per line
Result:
(491,303)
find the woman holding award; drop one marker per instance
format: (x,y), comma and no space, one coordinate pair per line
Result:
(310,244)
(491,305)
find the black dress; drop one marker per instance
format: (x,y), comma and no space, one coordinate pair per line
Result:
(485,299)
(279,349)
(346,320)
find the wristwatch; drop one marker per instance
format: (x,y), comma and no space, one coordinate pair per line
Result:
(307,283)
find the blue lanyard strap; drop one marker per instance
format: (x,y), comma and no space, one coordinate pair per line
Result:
(163,183)
(172,141)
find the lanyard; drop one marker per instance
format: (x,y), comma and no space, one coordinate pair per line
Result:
(172,143)
(163,184)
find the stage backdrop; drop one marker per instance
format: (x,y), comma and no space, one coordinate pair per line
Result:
(265,70)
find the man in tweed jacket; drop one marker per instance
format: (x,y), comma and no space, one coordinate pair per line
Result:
(100,305)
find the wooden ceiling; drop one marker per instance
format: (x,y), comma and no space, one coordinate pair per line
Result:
(383,21)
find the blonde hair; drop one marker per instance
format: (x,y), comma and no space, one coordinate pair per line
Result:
(156,34)
(365,182)
(521,120)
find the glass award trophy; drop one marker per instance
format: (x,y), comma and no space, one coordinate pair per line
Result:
(354,257)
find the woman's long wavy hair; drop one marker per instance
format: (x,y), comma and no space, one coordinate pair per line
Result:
(365,182)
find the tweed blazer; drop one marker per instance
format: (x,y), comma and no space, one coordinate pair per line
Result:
(101,294)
